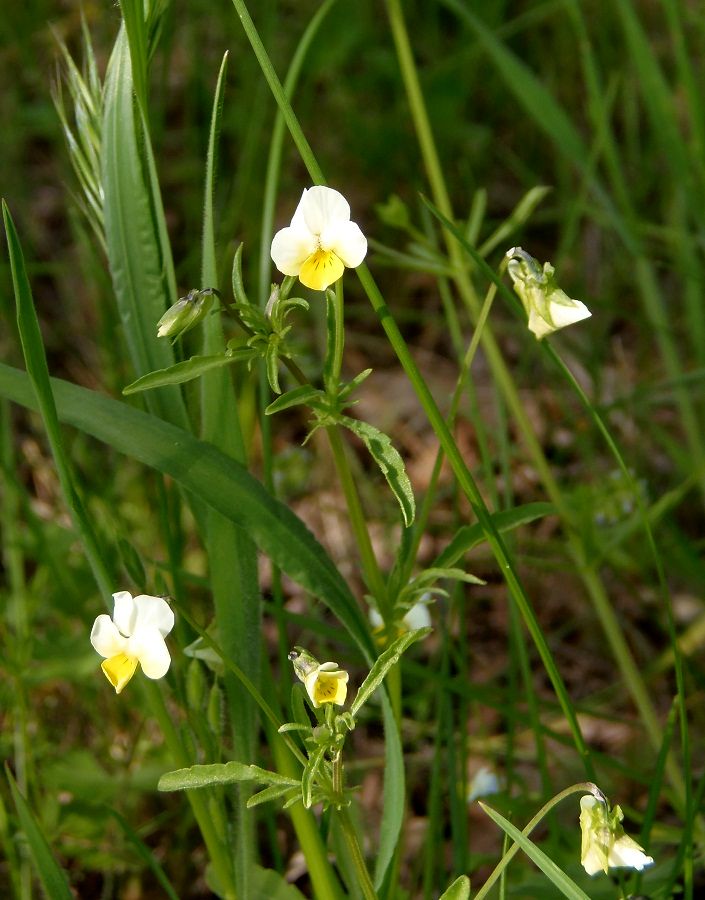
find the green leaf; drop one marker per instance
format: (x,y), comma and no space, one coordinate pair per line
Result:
(188,370)
(565,884)
(390,462)
(195,777)
(270,885)
(50,874)
(471,535)
(272,363)
(274,792)
(214,477)
(304,395)
(139,258)
(383,664)
(459,890)
(308,779)
(435,574)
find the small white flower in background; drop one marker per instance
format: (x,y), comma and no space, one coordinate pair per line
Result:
(135,634)
(547,306)
(417,617)
(604,843)
(324,682)
(483,784)
(321,240)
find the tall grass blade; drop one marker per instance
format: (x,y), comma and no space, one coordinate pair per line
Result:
(140,263)
(211,475)
(53,879)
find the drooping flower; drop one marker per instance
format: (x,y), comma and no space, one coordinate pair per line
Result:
(484,783)
(547,306)
(324,682)
(321,240)
(135,634)
(604,842)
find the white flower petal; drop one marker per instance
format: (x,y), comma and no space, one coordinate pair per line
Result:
(347,242)
(125,612)
(322,206)
(105,637)
(298,220)
(291,247)
(626,852)
(376,621)
(566,314)
(483,784)
(417,617)
(153,612)
(149,647)
(328,667)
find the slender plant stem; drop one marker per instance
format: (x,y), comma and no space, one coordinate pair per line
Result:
(585,787)
(365,882)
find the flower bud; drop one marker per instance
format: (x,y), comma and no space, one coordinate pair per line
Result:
(185,313)
(547,306)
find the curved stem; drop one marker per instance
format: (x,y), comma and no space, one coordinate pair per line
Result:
(584,787)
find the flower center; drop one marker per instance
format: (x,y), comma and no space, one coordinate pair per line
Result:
(320,269)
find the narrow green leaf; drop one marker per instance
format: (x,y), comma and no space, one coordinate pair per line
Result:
(274,792)
(133,17)
(435,573)
(389,461)
(187,370)
(304,395)
(383,664)
(139,263)
(53,879)
(195,777)
(272,363)
(214,477)
(38,372)
(308,779)
(565,884)
(459,890)
(471,535)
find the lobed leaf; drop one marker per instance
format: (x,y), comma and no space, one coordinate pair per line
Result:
(389,461)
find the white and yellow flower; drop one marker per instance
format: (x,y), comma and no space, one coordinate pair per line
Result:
(135,634)
(321,240)
(604,842)
(324,682)
(416,617)
(547,306)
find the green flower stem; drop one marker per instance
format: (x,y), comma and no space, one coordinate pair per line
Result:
(431,409)
(585,787)
(422,518)
(271,182)
(338,336)
(365,882)
(292,123)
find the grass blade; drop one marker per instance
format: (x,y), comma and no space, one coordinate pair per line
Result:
(53,879)
(208,473)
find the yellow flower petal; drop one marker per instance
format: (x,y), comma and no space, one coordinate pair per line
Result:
(119,670)
(321,269)
(329,687)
